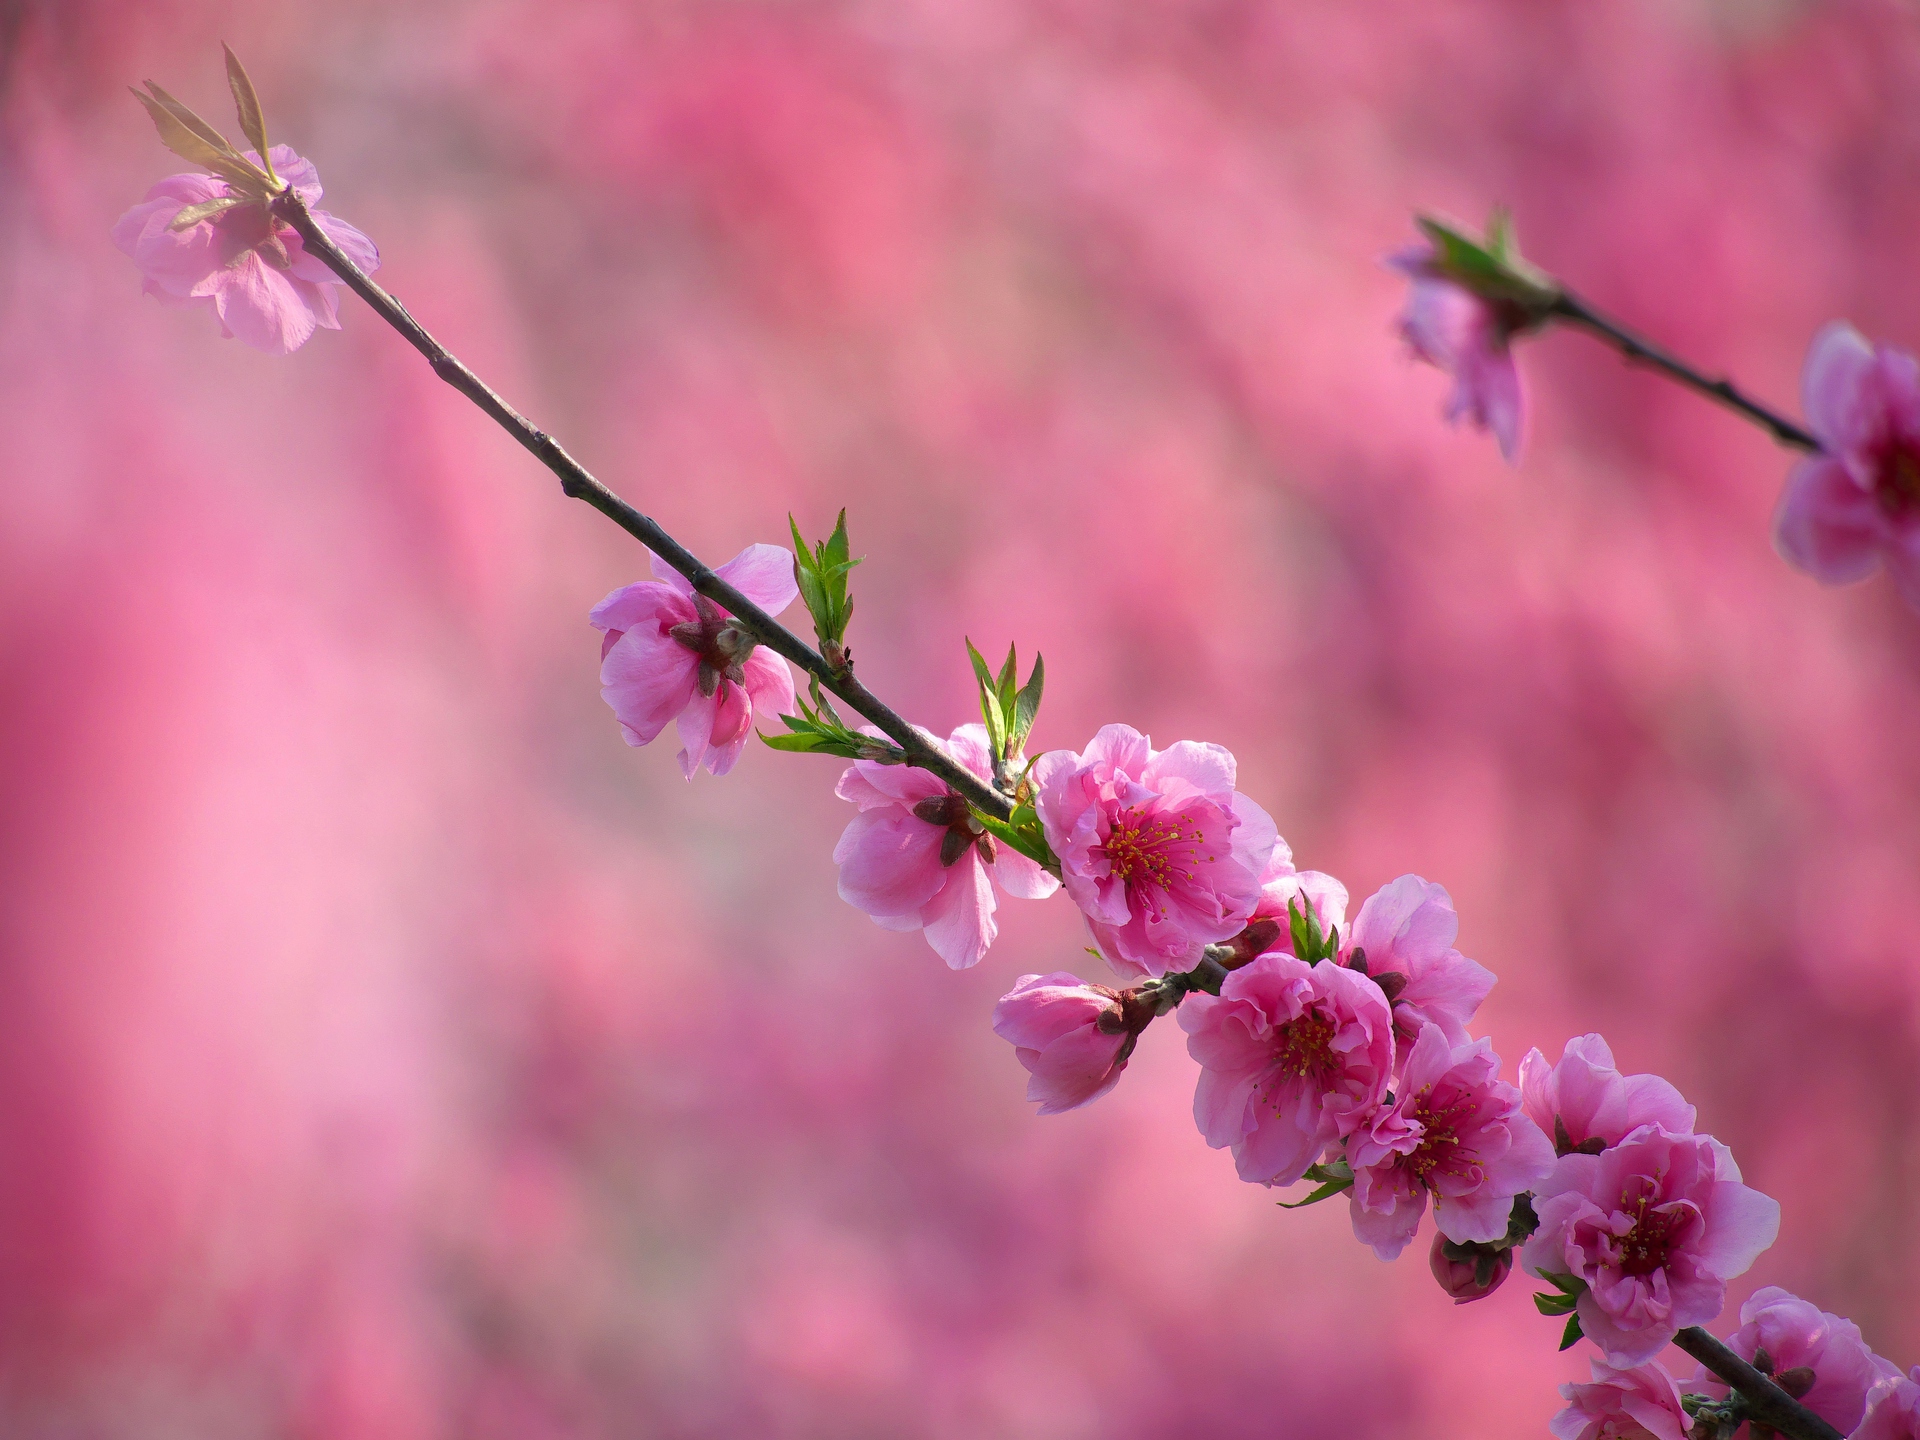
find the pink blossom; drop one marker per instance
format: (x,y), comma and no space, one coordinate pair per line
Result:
(1857,503)
(1455,1132)
(1306,889)
(1293,1057)
(1641,1403)
(1836,1369)
(668,653)
(912,861)
(1460,1269)
(1407,928)
(1590,1104)
(1053,1021)
(1466,336)
(1893,1409)
(1655,1226)
(253,272)
(1155,846)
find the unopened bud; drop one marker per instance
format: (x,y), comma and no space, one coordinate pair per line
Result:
(1468,1272)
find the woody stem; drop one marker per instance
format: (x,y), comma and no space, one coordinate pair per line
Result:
(578,484)
(1765,1401)
(1574,311)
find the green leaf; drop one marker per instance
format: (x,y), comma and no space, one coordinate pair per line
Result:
(198,143)
(1554,1304)
(1493,269)
(991,713)
(1564,1283)
(1309,942)
(1026,705)
(1023,832)
(1331,1188)
(191,215)
(818,729)
(1571,1335)
(821,573)
(252,124)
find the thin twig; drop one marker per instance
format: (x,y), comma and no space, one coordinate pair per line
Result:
(1765,1401)
(1724,392)
(578,484)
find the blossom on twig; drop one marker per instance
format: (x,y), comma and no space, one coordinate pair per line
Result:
(668,653)
(916,857)
(239,261)
(1856,505)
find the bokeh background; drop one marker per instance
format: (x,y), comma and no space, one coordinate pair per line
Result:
(386,1050)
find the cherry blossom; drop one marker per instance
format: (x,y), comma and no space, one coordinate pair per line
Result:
(1638,1403)
(668,653)
(913,859)
(1856,505)
(1654,1227)
(1449,326)
(1820,1359)
(1054,1023)
(1455,1131)
(1156,847)
(251,271)
(1893,1409)
(1586,1104)
(1293,1057)
(1407,929)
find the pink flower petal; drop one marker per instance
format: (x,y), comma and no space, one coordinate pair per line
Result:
(1826,524)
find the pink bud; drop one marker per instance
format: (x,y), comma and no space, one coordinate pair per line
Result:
(1468,1272)
(1055,1023)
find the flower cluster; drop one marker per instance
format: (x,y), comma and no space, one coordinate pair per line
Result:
(1330,1051)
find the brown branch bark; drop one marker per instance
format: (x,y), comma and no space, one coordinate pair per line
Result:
(1765,1401)
(578,484)
(1722,392)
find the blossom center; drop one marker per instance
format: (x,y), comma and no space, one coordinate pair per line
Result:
(1305,1047)
(1897,486)
(1440,1126)
(1150,850)
(1645,1248)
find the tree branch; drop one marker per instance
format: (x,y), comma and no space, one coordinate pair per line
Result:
(1765,1401)
(1575,312)
(578,484)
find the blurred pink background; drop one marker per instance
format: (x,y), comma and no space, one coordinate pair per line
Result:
(387,1050)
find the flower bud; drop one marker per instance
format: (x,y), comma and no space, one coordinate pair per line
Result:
(1061,1031)
(1468,1272)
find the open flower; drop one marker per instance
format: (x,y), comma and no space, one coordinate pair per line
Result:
(1454,1132)
(1407,928)
(1293,1057)
(1857,503)
(1586,1104)
(668,653)
(1449,326)
(1820,1359)
(1155,846)
(1893,1409)
(1054,1023)
(1641,1403)
(250,270)
(1655,1227)
(915,859)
